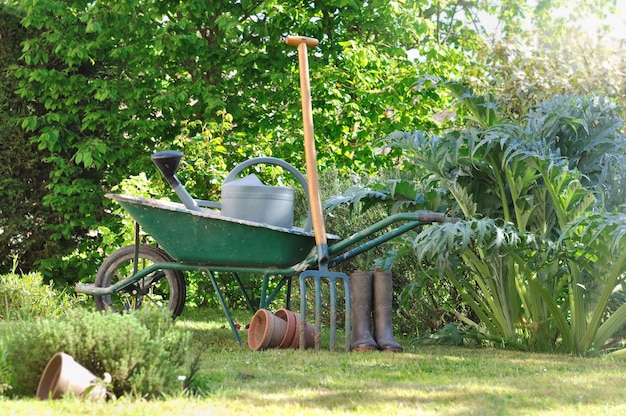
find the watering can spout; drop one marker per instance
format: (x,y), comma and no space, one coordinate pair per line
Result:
(167,162)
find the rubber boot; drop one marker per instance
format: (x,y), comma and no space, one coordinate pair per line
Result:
(361,305)
(383,296)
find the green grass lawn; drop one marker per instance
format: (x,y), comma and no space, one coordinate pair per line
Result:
(431,380)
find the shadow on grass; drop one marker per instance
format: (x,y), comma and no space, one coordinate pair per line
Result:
(425,379)
(437,379)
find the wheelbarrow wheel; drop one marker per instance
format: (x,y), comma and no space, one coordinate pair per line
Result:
(164,288)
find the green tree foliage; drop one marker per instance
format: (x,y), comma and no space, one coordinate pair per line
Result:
(117,80)
(557,47)
(23,173)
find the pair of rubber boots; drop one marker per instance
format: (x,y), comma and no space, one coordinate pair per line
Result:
(372,292)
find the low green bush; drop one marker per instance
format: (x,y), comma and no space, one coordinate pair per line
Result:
(143,351)
(5,371)
(23,296)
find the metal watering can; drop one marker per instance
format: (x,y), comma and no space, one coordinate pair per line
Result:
(249,199)
(245,199)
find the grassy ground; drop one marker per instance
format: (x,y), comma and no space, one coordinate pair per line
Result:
(422,380)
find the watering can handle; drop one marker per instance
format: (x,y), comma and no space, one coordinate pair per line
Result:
(232,175)
(315,202)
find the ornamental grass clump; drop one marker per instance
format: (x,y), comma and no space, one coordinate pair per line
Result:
(143,351)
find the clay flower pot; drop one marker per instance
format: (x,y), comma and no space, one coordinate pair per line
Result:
(309,334)
(290,334)
(292,317)
(266,330)
(63,375)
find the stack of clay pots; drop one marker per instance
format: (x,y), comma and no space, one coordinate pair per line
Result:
(278,330)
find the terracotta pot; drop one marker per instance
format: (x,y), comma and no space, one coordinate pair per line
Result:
(63,375)
(290,316)
(291,320)
(309,334)
(266,330)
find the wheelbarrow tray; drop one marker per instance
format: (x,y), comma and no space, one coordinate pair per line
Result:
(207,237)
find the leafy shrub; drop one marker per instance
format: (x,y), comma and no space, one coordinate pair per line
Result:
(538,257)
(5,372)
(24,296)
(537,261)
(143,351)
(352,205)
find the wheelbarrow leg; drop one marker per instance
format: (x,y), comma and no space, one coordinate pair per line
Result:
(244,292)
(267,299)
(332,279)
(288,294)
(225,308)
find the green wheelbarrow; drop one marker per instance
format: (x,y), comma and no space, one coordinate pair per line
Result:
(209,242)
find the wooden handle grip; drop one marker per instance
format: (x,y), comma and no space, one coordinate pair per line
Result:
(297,40)
(315,203)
